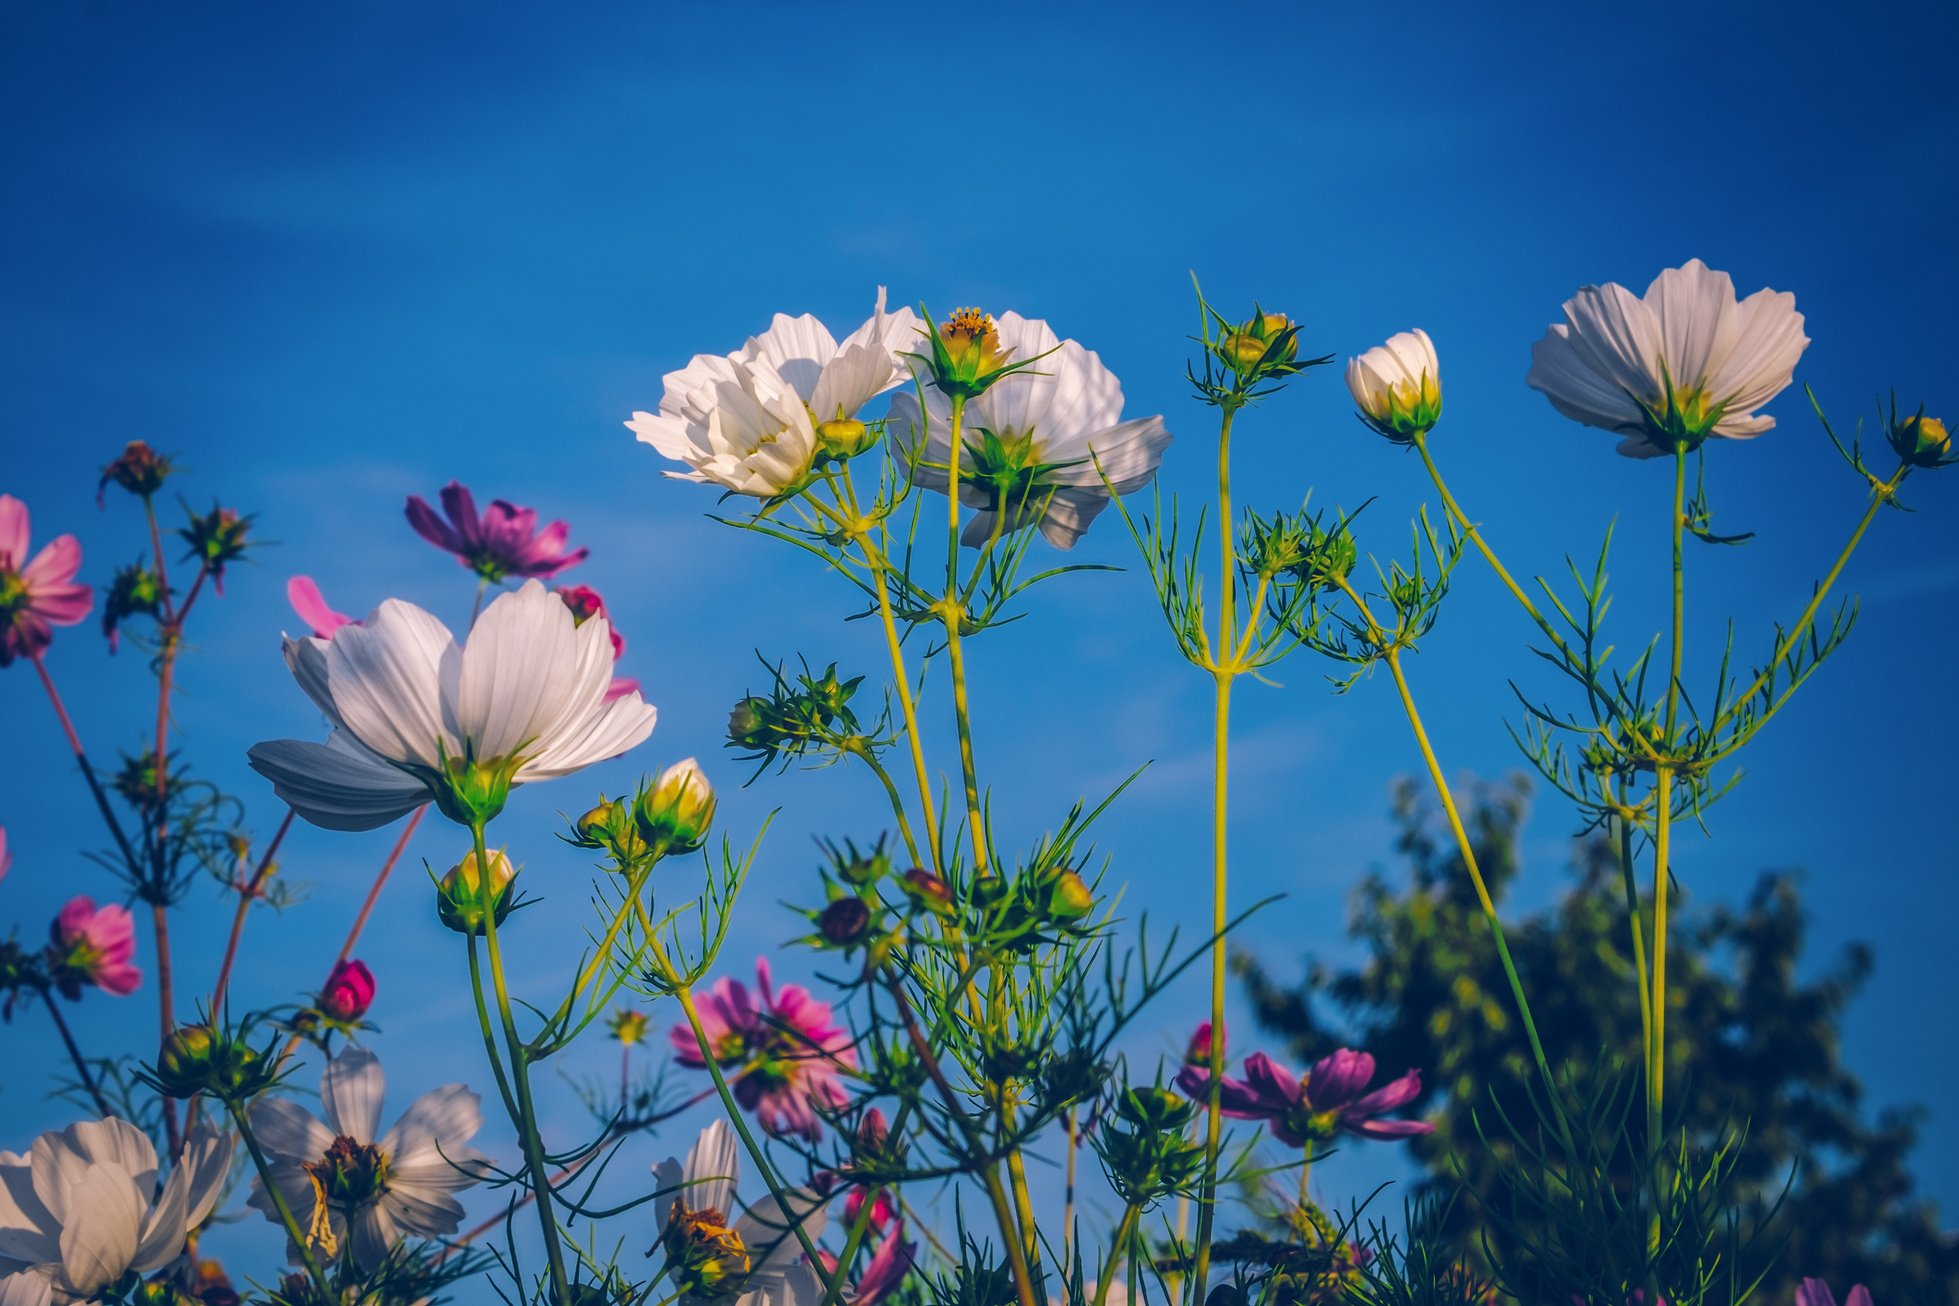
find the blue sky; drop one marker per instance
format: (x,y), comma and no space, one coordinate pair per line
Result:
(333,256)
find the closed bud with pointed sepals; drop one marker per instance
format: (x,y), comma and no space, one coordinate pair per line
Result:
(845,923)
(1069,897)
(184,1061)
(217,538)
(1264,344)
(141,470)
(675,814)
(460,895)
(198,1059)
(1398,386)
(842,437)
(611,826)
(927,891)
(1921,441)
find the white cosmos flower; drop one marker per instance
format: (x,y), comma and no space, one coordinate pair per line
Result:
(525,699)
(1053,424)
(1398,385)
(754,420)
(1685,363)
(81,1209)
(778,1274)
(345,1172)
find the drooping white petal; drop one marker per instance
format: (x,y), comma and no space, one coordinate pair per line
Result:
(1617,336)
(160,1239)
(100,1232)
(373,1235)
(338,785)
(1128,454)
(623,723)
(388,676)
(667,1180)
(1763,362)
(207,1159)
(351,1090)
(1560,374)
(307,660)
(425,1212)
(25,1288)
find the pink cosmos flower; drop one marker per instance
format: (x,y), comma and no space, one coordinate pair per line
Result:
(1198,1053)
(312,608)
(503,541)
(1815,1292)
(6,858)
(92,945)
(1329,1102)
(38,594)
(348,993)
(788,1050)
(887,1269)
(585,603)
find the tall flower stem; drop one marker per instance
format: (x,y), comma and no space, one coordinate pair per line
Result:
(954,613)
(1118,1252)
(297,1236)
(897,801)
(1224,669)
(1068,1191)
(374,893)
(526,1116)
(1637,925)
(75,1053)
(900,677)
(248,893)
(88,772)
(1663,777)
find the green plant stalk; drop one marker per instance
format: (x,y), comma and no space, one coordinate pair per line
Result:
(1068,1193)
(910,709)
(1024,1210)
(953,614)
(299,1239)
(1222,672)
(1305,1175)
(1638,937)
(75,1054)
(891,792)
(1656,1057)
(489,1030)
(1118,1249)
(525,1117)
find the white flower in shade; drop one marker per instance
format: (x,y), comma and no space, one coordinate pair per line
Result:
(346,1175)
(710,1251)
(417,719)
(1037,444)
(1671,370)
(81,1210)
(756,421)
(1398,385)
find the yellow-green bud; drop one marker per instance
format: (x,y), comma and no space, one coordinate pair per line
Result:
(842,437)
(1922,441)
(459,897)
(1243,348)
(610,826)
(184,1062)
(675,814)
(1070,898)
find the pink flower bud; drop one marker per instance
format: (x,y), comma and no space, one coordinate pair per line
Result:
(1199,1051)
(348,993)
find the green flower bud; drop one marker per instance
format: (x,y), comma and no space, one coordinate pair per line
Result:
(1244,348)
(197,1059)
(1921,441)
(842,437)
(459,897)
(1069,897)
(927,891)
(675,814)
(610,826)
(184,1062)
(846,922)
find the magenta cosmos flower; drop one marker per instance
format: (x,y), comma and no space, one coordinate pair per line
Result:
(93,945)
(787,1050)
(1330,1101)
(585,603)
(1815,1292)
(349,992)
(38,594)
(503,541)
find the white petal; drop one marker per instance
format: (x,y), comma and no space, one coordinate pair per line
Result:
(427,1212)
(1763,361)
(60,1160)
(29,1232)
(623,723)
(1069,514)
(1617,336)
(1128,454)
(449,1115)
(207,1159)
(713,1169)
(798,348)
(307,660)
(522,671)
(1695,309)
(161,1237)
(24,1289)
(768,1229)
(345,788)
(1561,374)
(1019,403)
(98,1238)
(374,1235)
(667,1178)
(387,676)
(288,1130)
(351,1091)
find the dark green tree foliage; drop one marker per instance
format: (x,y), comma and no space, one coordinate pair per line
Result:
(1761,1048)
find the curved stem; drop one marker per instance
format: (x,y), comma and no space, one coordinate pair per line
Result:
(897,802)
(299,1239)
(75,1054)
(489,1030)
(526,1116)
(88,772)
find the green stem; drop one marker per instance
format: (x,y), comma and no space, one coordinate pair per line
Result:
(1223,672)
(299,1240)
(1024,1211)
(476,605)
(1118,1253)
(897,802)
(895,647)
(75,1054)
(953,613)
(489,1030)
(1679,589)
(1656,1054)
(525,1117)
(1626,874)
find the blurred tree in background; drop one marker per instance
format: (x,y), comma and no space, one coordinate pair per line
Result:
(1762,1047)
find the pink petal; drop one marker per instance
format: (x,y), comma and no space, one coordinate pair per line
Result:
(54,565)
(1859,1296)
(1815,1292)
(460,504)
(118,980)
(16,531)
(431,527)
(1389,1096)
(1386,1128)
(1273,1083)
(312,608)
(6,858)
(1338,1079)
(620,687)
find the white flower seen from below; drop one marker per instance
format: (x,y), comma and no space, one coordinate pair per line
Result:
(417,719)
(1669,371)
(1398,385)
(81,1211)
(353,1190)
(1036,444)
(758,420)
(712,1253)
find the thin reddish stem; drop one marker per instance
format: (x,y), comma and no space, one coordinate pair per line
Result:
(248,893)
(60,710)
(360,921)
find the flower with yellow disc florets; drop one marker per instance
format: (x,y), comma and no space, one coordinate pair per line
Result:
(1398,386)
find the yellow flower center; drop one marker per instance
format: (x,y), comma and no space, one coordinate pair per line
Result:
(968,331)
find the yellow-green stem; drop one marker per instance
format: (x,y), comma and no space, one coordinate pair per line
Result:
(1656,1056)
(1068,1192)
(1024,1210)
(526,1117)
(905,704)
(954,613)
(1118,1253)
(293,1232)
(1626,874)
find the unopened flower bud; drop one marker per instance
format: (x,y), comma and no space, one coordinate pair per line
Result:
(610,825)
(197,1059)
(1198,1053)
(459,897)
(845,922)
(1922,441)
(184,1062)
(873,1133)
(1398,386)
(866,869)
(217,538)
(842,437)
(628,1026)
(748,721)
(675,814)
(1244,348)
(348,993)
(928,891)
(1069,897)
(141,470)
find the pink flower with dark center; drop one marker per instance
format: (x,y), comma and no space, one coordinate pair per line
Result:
(91,945)
(786,1051)
(312,608)
(36,595)
(585,603)
(348,993)
(1329,1102)
(503,541)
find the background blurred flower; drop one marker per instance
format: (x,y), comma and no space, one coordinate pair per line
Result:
(1815,1292)
(1033,440)
(338,1174)
(36,594)
(502,541)
(627,1025)
(83,1208)
(790,1050)
(312,608)
(756,420)
(1669,371)
(93,945)
(1329,1102)
(527,694)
